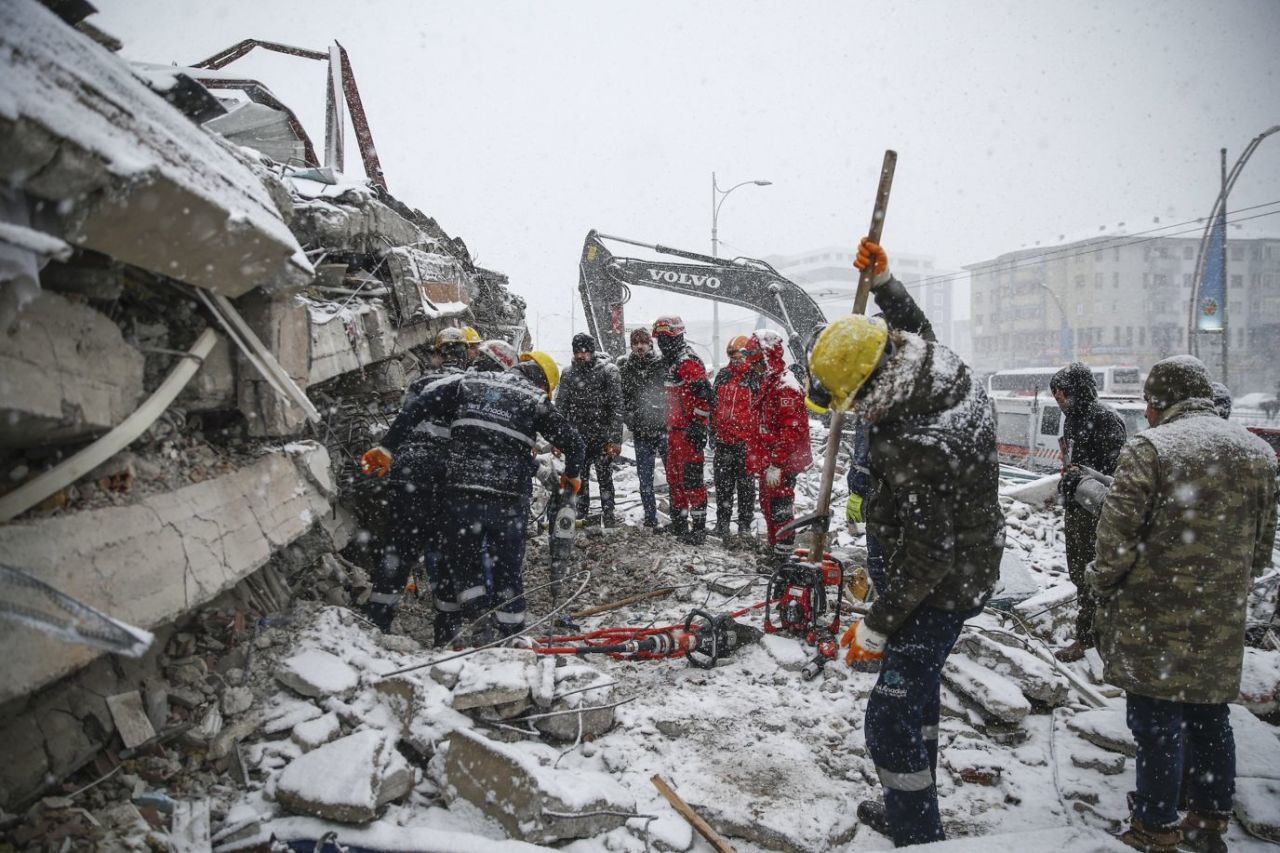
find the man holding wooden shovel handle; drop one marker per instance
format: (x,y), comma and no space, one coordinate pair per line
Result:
(935,512)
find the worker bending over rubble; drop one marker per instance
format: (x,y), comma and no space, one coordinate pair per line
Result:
(689,399)
(494,419)
(414,503)
(1190,517)
(779,448)
(935,512)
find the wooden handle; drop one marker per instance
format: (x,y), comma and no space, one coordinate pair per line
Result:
(686,811)
(877,225)
(859,307)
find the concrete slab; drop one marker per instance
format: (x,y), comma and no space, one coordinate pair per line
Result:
(65,372)
(148,562)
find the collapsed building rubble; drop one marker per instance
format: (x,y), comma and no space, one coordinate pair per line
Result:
(134,240)
(236,530)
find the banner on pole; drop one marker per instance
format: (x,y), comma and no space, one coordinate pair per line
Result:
(1212,296)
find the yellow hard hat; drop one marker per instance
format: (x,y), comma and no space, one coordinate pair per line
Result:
(845,355)
(548,365)
(470,335)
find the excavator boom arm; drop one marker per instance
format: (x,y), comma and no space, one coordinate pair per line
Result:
(605,282)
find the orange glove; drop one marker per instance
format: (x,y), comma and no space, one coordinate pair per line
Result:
(376,462)
(574,483)
(869,252)
(612,449)
(863,643)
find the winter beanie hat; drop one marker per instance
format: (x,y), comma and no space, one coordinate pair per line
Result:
(1175,379)
(582,342)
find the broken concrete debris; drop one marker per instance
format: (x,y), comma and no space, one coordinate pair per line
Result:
(345,780)
(531,802)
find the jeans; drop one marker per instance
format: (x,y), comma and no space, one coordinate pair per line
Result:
(1080,529)
(902,721)
(603,463)
(1171,735)
(648,449)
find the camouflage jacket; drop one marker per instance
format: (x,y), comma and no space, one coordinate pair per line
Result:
(1190,518)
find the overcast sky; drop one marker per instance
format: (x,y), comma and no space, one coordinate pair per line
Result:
(519,126)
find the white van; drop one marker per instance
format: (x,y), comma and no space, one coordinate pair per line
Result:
(1028,428)
(1111,379)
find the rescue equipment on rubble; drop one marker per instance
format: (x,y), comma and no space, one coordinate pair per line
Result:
(702,639)
(564,516)
(799,588)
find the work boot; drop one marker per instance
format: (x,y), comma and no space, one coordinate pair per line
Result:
(1071,653)
(694,536)
(1205,832)
(651,523)
(608,519)
(1152,839)
(381,615)
(722,531)
(871,813)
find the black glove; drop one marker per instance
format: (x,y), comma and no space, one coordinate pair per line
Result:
(1070,479)
(697,434)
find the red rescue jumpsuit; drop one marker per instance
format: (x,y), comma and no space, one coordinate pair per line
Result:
(781,440)
(688,406)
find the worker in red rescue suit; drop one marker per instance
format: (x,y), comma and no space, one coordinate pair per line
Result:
(936,514)
(689,400)
(779,448)
(494,419)
(414,504)
(732,426)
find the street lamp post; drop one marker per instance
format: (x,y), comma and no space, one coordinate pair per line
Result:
(717,198)
(1064,342)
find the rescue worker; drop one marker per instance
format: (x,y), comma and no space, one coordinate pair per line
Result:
(494,356)
(1190,517)
(935,512)
(688,413)
(644,411)
(780,447)
(414,504)
(1092,435)
(494,420)
(473,339)
(590,396)
(732,427)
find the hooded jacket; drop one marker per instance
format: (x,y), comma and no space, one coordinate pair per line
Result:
(1092,433)
(732,415)
(934,506)
(689,395)
(644,398)
(781,437)
(590,396)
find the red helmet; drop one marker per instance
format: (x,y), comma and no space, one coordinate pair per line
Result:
(763,343)
(668,327)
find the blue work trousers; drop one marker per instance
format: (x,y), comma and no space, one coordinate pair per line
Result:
(477,522)
(902,721)
(1172,736)
(877,566)
(413,526)
(648,449)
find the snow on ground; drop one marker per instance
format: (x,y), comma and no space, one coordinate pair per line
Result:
(773,761)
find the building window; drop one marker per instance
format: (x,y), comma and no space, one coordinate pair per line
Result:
(1186,280)
(1128,336)
(1237,253)
(1146,280)
(1237,281)
(1115,334)
(1115,253)
(1160,280)
(1097,279)
(1115,280)
(1142,336)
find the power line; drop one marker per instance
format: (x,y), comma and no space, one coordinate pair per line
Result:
(1076,251)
